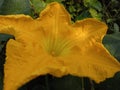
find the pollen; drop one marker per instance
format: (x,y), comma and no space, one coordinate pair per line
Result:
(53,53)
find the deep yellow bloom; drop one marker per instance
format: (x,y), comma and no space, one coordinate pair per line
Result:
(52,45)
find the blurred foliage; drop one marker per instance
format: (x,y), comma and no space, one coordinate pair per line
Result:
(15,7)
(111,14)
(37,7)
(1,2)
(104,10)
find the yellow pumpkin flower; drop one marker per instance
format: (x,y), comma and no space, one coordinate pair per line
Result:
(51,44)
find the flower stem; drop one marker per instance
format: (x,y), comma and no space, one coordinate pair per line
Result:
(82,80)
(47,82)
(92,84)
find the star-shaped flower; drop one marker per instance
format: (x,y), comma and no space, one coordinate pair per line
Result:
(51,44)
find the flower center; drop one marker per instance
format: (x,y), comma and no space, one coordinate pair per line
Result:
(57,46)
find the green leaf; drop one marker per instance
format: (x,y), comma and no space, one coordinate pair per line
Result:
(112,43)
(116,28)
(95,14)
(110,20)
(93,4)
(3,39)
(1,2)
(49,1)
(71,9)
(84,14)
(38,5)
(15,7)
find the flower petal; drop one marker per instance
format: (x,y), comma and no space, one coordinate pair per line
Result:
(89,28)
(88,32)
(93,60)
(26,57)
(55,20)
(96,63)
(17,23)
(26,62)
